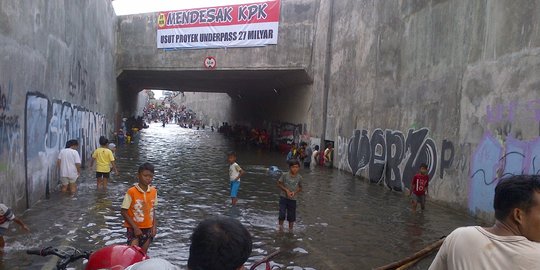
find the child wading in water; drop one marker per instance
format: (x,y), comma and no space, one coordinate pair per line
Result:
(138,209)
(235,173)
(6,217)
(290,184)
(104,159)
(419,187)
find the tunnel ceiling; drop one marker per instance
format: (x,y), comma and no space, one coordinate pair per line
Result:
(233,82)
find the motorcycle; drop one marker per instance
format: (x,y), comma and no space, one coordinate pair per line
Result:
(120,257)
(109,257)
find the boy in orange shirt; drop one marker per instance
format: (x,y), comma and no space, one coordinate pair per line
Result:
(138,209)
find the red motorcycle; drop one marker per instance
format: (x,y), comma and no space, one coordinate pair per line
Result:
(117,257)
(109,257)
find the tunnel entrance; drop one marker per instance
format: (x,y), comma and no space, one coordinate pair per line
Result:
(233,82)
(256,95)
(273,100)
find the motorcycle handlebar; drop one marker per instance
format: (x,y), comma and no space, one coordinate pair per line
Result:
(43,252)
(34,252)
(66,257)
(265,260)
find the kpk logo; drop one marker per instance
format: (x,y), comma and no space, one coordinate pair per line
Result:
(161,20)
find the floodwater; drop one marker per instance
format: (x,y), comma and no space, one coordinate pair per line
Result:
(343,221)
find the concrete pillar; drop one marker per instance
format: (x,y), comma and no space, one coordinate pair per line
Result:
(327,70)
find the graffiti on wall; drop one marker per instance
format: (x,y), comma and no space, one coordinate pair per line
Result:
(77,79)
(49,124)
(511,110)
(494,159)
(392,157)
(11,150)
(9,124)
(503,151)
(502,116)
(342,148)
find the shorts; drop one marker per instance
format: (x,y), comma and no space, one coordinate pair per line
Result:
(102,174)
(287,209)
(421,199)
(67,180)
(235,186)
(146,236)
(3,231)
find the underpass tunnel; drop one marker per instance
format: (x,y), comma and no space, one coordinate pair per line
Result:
(255,96)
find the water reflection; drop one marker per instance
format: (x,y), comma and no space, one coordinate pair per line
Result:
(343,222)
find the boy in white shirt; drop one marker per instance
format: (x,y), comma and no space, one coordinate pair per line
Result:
(235,173)
(69,163)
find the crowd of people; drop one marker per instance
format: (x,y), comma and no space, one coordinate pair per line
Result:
(242,134)
(308,156)
(311,157)
(180,115)
(129,133)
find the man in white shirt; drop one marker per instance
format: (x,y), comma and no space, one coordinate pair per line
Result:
(69,163)
(513,242)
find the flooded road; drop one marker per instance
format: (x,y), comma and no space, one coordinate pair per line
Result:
(343,221)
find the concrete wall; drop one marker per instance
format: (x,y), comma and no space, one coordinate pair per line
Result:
(142,101)
(57,82)
(211,108)
(290,105)
(138,49)
(450,83)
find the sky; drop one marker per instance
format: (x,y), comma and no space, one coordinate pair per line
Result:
(158,93)
(127,7)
